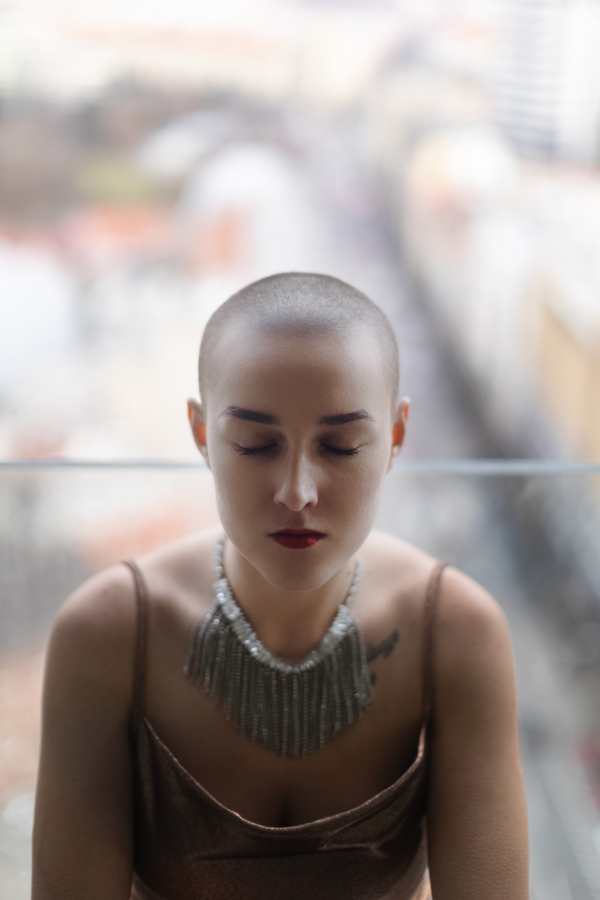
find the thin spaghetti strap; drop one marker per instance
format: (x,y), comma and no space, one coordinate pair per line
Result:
(431,598)
(141,641)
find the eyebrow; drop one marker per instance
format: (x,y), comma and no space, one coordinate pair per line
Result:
(251,415)
(346,417)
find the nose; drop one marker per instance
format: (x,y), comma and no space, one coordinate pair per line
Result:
(297,487)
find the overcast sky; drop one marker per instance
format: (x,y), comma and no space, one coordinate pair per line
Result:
(189,12)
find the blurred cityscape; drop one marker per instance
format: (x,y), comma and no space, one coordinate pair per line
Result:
(441,155)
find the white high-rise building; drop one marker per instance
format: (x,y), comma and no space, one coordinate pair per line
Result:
(548,85)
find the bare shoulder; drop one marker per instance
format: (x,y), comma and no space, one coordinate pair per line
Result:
(392,553)
(103,602)
(92,640)
(474,669)
(101,615)
(465,609)
(470,623)
(471,634)
(182,568)
(94,632)
(398,572)
(465,601)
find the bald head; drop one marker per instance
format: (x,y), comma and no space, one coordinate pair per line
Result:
(296,304)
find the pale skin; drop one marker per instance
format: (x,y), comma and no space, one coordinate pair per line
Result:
(477,823)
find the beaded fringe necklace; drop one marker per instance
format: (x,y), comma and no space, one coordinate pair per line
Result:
(290,707)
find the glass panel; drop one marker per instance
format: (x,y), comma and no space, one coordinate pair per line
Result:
(530,540)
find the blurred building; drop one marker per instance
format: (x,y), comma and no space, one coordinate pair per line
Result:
(564,301)
(324,55)
(505,251)
(548,80)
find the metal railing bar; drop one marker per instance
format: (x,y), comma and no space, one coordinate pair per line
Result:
(101,464)
(497,467)
(502,467)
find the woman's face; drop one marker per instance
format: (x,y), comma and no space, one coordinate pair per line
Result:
(299,434)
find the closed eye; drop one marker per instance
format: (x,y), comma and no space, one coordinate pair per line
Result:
(339,452)
(253,451)
(257,451)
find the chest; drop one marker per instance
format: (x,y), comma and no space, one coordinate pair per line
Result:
(264,787)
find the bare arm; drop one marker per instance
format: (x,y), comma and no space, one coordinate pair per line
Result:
(477,817)
(82,840)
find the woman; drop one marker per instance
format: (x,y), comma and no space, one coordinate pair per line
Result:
(297,733)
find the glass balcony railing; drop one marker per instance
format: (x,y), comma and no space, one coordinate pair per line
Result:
(528,531)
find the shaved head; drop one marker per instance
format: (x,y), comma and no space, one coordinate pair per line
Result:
(296,304)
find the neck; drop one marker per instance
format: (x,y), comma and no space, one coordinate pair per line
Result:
(289,623)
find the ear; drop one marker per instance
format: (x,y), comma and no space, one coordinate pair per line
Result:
(399,429)
(198,426)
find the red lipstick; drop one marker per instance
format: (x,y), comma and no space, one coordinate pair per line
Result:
(297,538)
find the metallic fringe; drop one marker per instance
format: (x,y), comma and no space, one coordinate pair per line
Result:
(291,708)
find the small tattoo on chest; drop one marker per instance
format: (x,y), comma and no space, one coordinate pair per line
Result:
(384,648)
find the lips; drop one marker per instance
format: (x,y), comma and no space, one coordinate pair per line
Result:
(297,538)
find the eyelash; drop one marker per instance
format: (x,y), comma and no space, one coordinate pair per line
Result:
(256,451)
